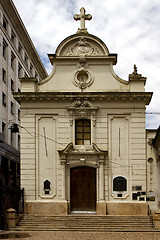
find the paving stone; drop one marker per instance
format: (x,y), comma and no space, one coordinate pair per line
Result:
(90,236)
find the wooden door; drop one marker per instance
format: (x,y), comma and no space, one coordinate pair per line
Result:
(83,189)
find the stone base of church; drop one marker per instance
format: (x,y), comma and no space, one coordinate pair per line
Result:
(101,208)
(46,208)
(126,208)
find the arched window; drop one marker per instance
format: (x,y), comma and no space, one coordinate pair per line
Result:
(119,184)
(83,132)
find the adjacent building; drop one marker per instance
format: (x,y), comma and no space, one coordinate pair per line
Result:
(153,168)
(18,58)
(84,146)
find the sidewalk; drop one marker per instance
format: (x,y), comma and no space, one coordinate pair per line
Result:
(86,236)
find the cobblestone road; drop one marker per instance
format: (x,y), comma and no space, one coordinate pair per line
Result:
(88,236)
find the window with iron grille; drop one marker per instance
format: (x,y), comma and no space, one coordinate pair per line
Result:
(83,132)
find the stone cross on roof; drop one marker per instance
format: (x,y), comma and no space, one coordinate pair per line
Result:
(82,17)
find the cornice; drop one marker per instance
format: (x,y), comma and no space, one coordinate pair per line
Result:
(111,58)
(93,96)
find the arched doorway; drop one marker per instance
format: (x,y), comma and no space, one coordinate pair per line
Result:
(83,189)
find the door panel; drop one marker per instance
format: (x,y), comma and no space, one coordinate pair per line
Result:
(83,189)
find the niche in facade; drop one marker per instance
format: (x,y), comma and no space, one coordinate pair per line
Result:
(47,187)
(119,184)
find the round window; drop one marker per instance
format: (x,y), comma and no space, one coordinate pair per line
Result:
(82,76)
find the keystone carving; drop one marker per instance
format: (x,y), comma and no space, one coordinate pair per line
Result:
(82,109)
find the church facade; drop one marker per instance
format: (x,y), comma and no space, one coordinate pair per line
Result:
(83,137)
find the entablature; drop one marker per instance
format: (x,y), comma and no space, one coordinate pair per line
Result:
(91,96)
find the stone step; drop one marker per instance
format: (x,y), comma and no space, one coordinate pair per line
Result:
(91,229)
(82,224)
(86,223)
(82,227)
(93,219)
(87,220)
(90,221)
(86,217)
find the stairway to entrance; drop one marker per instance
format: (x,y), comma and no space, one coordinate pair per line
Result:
(86,223)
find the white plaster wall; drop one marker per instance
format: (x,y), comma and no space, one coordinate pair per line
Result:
(133,148)
(138,149)
(28,155)
(62,78)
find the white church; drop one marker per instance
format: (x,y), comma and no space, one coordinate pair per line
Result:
(84,146)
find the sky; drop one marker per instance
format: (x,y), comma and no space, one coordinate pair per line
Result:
(130,28)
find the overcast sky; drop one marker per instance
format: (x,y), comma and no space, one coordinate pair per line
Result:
(130,28)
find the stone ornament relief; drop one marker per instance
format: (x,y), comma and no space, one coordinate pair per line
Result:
(83,77)
(82,109)
(82,48)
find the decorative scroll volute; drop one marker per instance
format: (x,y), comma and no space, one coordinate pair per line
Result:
(82,109)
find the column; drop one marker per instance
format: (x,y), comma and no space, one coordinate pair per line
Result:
(101,180)
(63,164)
